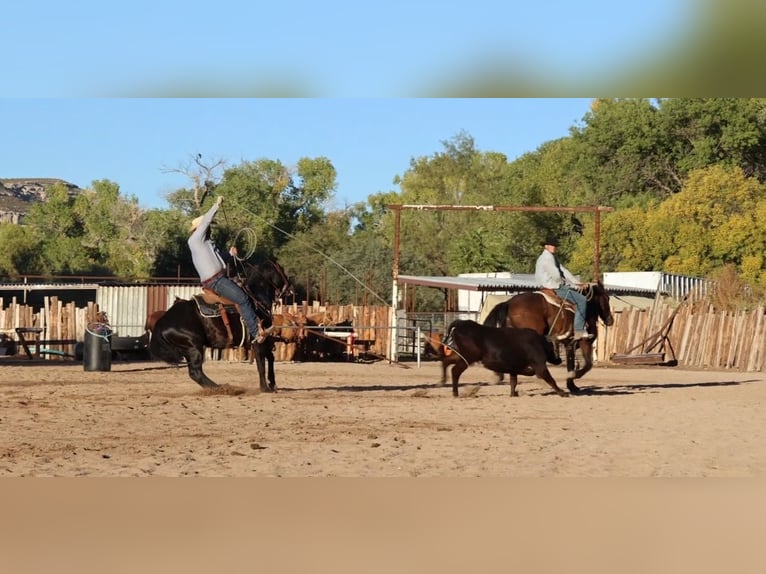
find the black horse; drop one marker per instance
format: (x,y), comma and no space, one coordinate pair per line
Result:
(542,311)
(189,326)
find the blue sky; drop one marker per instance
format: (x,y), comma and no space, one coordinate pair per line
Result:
(325,49)
(134,142)
(66,66)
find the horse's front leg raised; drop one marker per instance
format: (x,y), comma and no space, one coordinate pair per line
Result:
(586,348)
(571,373)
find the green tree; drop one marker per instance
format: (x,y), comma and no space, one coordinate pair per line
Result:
(112,231)
(624,153)
(57,229)
(22,253)
(723,131)
(717,220)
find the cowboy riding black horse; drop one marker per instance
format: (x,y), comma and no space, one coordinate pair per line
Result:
(206,320)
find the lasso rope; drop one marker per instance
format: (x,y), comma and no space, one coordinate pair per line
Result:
(250,238)
(330,259)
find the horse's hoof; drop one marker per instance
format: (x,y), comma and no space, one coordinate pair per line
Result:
(574,389)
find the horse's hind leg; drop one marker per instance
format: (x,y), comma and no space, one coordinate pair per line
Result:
(194,359)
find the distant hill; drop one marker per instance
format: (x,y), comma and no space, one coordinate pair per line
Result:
(17,194)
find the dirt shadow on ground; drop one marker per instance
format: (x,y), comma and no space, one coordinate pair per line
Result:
(590,390)
(653,387)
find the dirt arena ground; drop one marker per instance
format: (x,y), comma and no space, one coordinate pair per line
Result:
(377,420)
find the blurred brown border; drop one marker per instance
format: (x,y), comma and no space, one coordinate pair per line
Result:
(382,525)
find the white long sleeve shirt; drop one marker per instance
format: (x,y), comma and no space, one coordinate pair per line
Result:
(549,274)
(207,258)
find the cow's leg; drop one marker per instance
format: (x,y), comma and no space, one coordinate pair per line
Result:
(457,370)
(443,380)
(514,382)
(498,378)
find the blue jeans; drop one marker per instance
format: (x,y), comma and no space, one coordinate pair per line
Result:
(225,287)
(570,293)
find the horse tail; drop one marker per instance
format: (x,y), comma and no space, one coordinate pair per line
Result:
(497,316)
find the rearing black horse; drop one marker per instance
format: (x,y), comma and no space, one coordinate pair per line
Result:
(189,326)
(538,310)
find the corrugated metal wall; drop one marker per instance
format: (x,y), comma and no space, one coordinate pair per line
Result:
(156,298)
(128,306)
(182,292)
(125,307)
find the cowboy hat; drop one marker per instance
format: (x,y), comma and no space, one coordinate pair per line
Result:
(551,239)
(195,223)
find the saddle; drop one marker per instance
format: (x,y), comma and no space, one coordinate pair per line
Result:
(554,299)
(210,304)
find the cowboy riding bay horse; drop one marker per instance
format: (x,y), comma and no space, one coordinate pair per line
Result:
(546,313)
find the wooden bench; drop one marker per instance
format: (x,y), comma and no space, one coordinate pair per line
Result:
(30,336)
(34,339)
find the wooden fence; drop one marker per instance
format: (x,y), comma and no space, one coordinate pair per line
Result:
(63,323)
(67,322)
(698,336)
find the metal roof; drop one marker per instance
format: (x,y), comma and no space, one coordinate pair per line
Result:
(471,283)
(46,286)
(520,282)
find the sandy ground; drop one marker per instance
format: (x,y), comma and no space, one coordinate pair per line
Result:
(377,420)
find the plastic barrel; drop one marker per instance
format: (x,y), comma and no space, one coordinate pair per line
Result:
(97,348)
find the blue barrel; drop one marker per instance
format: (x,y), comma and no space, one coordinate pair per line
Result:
(97,348)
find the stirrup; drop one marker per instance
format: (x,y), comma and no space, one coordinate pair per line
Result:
(578,335)
(263,335)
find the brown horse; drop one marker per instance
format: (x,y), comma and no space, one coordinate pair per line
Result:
(543,312)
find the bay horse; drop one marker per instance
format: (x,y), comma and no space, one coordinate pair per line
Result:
(189,326)
(543,311)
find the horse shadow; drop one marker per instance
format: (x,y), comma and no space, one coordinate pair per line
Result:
(590,390)
(389,387)
(617,390)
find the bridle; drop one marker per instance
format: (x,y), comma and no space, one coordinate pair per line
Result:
(286,286)
(279,291)
(589,292)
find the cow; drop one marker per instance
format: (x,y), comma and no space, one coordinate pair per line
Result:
(500,349)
